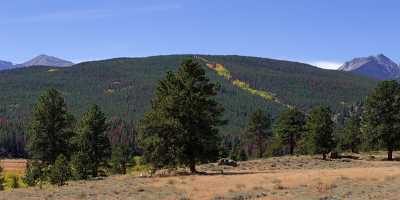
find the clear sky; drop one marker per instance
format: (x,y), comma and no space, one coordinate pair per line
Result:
(327,32)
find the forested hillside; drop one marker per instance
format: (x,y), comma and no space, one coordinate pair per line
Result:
(123,87)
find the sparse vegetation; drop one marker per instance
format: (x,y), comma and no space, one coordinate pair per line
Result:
(298,176)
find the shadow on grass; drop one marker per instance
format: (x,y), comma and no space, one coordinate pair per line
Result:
(219,173)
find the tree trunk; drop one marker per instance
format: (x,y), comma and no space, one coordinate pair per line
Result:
(291,149)
(260,149)
(291,144)
(323,156)
(390,154)
(94,170)
(192,167)
(124,168)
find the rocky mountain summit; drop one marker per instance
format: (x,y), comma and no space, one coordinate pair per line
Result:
(45,60)
(41,60)
(378,67)
(5,64)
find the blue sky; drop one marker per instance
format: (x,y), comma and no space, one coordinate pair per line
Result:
(327,32)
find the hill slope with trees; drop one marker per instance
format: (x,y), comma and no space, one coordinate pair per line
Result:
(123,87)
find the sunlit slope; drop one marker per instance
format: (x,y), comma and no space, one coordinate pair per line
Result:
(225,73)
(292,83)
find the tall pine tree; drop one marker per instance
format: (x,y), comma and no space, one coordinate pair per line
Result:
(381,119)
(182,127)
(289,127)
(320,131)
(50,129)
(352,133)
(91,141)
(258,131)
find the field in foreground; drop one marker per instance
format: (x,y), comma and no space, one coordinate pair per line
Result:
(281,178)
(16,166)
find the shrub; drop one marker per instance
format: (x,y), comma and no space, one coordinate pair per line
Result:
(81,166)
(119,158)
(140,166)
(12,180)
(33,173)
(1,179)
(60,172)
(275,147)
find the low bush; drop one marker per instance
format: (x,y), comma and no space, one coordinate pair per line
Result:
(60,172)
(33,173)
(1,179)
(139,166)
(13,181)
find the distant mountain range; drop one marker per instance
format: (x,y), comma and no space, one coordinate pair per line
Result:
(41,60)
(5,64)
(378,67)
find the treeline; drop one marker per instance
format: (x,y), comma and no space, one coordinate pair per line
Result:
(63,148)
(12,139)
(182,130)
(365,126)
(13,136)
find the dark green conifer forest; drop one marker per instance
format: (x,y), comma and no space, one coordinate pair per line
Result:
(123,88)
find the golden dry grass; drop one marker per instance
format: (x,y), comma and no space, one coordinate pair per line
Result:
(285,178)
(17,166)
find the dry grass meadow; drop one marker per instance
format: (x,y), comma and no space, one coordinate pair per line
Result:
(14,166)
(283,178)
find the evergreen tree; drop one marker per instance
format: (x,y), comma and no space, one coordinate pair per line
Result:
(243,155)
(119,158)
(33,173)
(60,172)
(289,127)
(320,131)
(258,131)
(352,134)
(181,128)
(381,119)
(81,165)
(49,133)
(92,140)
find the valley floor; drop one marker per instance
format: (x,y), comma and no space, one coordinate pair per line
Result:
(284,178)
